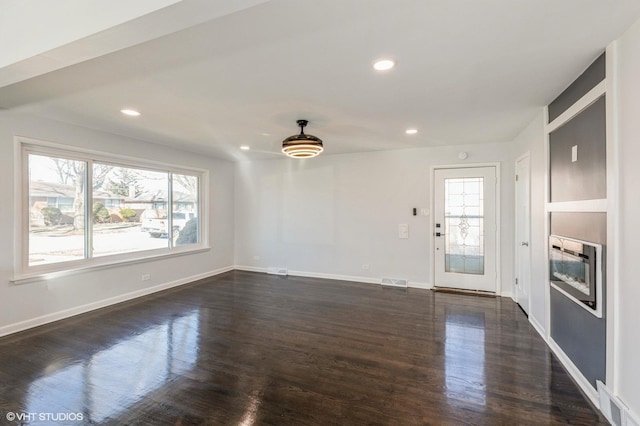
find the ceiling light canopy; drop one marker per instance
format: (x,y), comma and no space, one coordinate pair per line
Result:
(384,64)
(302,145)
(130,112)
(411,131)
(245,147)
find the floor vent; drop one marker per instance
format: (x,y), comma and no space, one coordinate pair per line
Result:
(277,271)
(611,408)
(394,282)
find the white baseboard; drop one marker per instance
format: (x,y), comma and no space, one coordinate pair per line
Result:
(250,268)
(352,278)
(575,373)
(56,316)
(571,368)
(338,277)
(538,327)
(632,419)
(424,286)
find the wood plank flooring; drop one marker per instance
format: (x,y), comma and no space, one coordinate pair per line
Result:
(245,348)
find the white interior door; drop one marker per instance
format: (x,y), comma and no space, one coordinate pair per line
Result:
(523,229)
(465,228)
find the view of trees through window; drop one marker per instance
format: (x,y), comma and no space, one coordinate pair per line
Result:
(128,206)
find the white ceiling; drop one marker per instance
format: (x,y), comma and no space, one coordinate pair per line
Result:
(468,71)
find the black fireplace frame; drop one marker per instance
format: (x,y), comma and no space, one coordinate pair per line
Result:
(587,253)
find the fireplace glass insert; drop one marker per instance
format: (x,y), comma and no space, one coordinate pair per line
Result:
(575,270)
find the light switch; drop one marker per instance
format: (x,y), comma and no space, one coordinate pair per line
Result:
(403,230)
(574,153)
(424,212)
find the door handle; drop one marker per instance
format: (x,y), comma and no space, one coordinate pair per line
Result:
(525,243)
(439,234)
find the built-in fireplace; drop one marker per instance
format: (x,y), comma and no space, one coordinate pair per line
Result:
(575,269)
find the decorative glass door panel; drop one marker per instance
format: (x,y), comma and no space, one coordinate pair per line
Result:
(464,225)
(465,228)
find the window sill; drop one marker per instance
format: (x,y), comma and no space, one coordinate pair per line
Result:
(100,263)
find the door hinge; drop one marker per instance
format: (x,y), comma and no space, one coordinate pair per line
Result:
(516,281)
(516,178)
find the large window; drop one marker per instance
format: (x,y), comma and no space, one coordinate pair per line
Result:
(84,209)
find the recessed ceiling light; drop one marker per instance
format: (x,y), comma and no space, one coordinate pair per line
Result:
(130,112)
(384,64)
(411,131)
(245,148)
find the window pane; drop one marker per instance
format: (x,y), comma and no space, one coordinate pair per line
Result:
(464,225)
(56,209)
(186,224)
(129,209)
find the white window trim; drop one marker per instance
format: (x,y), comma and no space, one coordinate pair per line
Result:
(23,273)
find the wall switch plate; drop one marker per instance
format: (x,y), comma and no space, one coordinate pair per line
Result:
(403,230)
(424,211)
(146,277)
(574,153)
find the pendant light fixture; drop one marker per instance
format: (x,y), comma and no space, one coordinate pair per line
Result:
(302,145)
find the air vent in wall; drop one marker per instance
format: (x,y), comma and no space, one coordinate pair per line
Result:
(611,407)
(273,270)
(394,282)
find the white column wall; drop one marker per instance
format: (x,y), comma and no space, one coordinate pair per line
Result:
(627,369)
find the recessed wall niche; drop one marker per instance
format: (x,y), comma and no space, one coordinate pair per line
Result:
(577,172)
(580,87)
(578,156)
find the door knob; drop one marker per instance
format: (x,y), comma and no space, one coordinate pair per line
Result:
(525,243)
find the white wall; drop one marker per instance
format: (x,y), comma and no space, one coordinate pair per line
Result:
(29,301)
(38,36)
(333,214)
(31,27)
(628,348)
(626,383)
(532,140)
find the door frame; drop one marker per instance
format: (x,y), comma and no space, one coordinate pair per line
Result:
(498,218)
(516,267)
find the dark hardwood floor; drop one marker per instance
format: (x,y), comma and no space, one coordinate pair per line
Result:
(246,348)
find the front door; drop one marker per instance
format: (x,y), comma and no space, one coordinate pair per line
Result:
(465,228)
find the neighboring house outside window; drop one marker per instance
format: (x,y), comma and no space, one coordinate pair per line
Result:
(126,204)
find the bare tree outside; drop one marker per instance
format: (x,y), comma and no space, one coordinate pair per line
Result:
(188,183)
(79,177)
(74,172)
(128,209)
(62,168)
(124,181)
